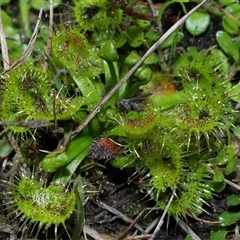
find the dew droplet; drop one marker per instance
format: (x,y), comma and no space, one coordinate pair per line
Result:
(194,96)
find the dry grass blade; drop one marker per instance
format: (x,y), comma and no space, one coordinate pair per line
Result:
(4,47)
(188,230)
(92,233)
(234,185)
(154,12)
(29,124)
(32,41)
(129,228)
(160,223)
(129,74)
(119,214)
(50,32)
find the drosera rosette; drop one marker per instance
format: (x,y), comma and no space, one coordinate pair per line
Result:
(160,157)
(71,51)
(138,124)
(205,107)
(22,90)
(166,167)
(29,94)
(36,205)
(101,15)
(193,189)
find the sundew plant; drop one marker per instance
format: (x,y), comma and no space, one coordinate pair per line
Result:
(106,84)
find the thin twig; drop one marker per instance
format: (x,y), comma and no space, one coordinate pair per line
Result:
(15,146)
(202,220)
(28,124)
(129,228)
(15,166)
(119,214)
(135,67)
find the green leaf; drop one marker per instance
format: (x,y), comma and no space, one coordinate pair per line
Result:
(54,161)
(63,175)
(108,52)
(225,155)
(173,38)
(132,58)
(233,200)
(219,186)
(153,35)
(198,22)
(135,36)
(119,40)
(234,9)
(145,74)
(230,25)
(77,144)
(218,175)
(231,166)
(218,234)
(226,44)
(152,58)
(80,116)
(88,90)
(229,218)
(94,127)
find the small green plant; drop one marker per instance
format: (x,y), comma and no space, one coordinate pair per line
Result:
(35,204)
